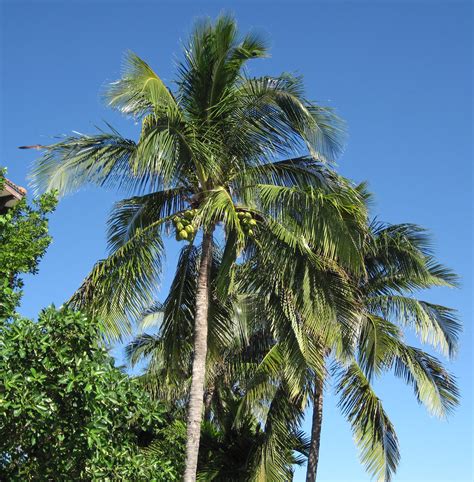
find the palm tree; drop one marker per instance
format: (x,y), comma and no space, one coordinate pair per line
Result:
(399,264)
(209,153)
(227,452)
(368,342)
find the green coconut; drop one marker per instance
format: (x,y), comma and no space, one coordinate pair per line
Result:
(252,222)
(184,234)
(248,215)
(189,229)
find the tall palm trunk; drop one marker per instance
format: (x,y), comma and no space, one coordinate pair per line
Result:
(313,458)
(199,361)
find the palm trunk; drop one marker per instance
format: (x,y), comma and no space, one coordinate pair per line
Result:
(313,459)
(199,361)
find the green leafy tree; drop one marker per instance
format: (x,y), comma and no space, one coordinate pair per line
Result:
(67,413)
(208,160)
(24,239)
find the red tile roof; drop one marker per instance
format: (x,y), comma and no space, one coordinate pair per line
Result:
(21,191)
(10,194)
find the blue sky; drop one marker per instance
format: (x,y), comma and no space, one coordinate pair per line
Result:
(400,73)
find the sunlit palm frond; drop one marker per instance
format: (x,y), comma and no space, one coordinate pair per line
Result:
(377,342)
(166,149)
(280,115)
(434,387)
(435,324)
(218,206)
(132,214)
(399,258)
(329,222)
(139,91)
(104,159)
(120,287)
(374,433)
(214,57)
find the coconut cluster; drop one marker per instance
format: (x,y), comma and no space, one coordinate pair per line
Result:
(184,225)
(247,222)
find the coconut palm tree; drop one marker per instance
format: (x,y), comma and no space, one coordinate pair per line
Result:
(398,264)
(222,154)
(228,452)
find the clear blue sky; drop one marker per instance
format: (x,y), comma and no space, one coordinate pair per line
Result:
(400,73)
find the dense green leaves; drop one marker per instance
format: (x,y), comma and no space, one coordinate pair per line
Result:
(24,239)
(66,413)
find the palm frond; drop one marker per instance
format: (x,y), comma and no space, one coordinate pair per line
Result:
(166,148)
(271,462)
(140,91)
(374,433)
(120,287)
(434,387)
(104,159)
(378,340)
(435,324)
(214,57)
(132,214)
(280,115)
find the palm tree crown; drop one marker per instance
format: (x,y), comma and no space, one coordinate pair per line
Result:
(223,150)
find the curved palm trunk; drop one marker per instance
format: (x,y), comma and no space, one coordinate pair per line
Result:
(199,361)
(313,458)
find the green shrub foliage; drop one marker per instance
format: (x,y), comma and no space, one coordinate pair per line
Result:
(67,413)
(24,239)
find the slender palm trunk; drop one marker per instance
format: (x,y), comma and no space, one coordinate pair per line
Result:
(313,459)
(199,361)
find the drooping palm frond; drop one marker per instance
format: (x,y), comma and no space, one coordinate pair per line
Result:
(280,114)
(173,319)
(399,259)
(168,148)
(130,215)
(120,287)
(435,324)
(329,223)
(377,342)
(162,381)
(374,433)
(275,458)
(434,387)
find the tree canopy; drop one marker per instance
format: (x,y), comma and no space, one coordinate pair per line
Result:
(67,413)
(24,239)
